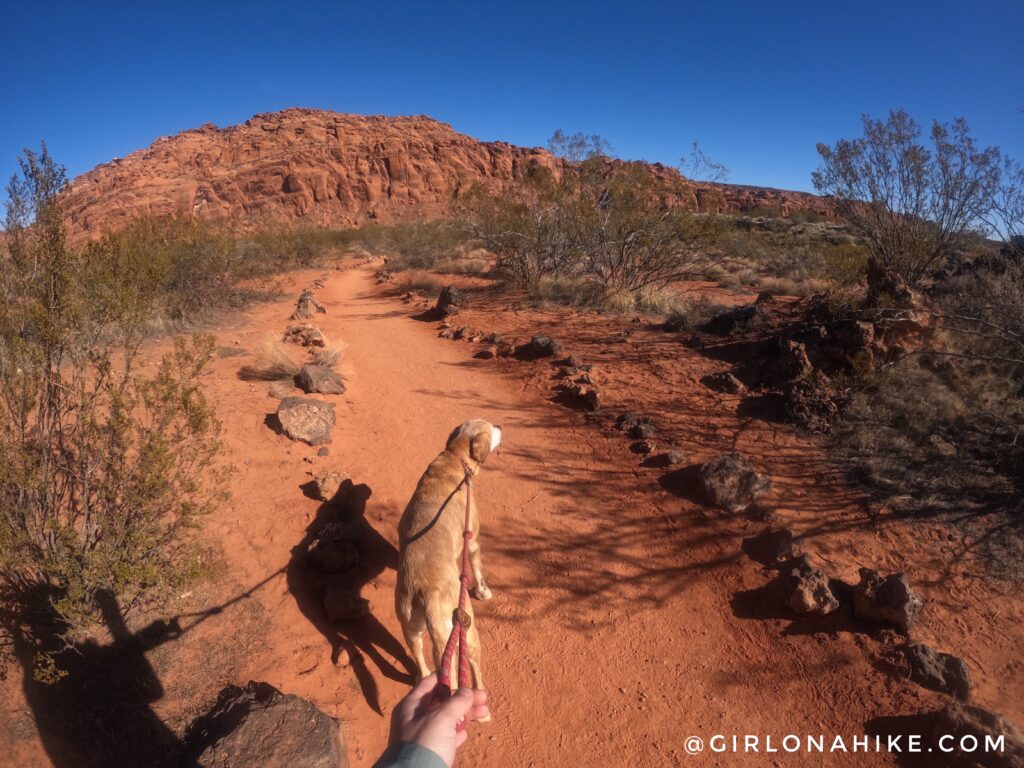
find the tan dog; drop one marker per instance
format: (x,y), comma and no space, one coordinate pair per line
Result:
(430,547)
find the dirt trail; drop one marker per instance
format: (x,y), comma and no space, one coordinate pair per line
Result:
(612,635)
(625,618)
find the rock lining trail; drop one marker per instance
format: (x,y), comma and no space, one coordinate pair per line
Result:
(611,636)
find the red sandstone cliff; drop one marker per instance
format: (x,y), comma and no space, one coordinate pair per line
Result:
(332,169)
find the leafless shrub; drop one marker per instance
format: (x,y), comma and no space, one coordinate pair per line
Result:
(602,223)
(699,167)
(913,204)
(578,147)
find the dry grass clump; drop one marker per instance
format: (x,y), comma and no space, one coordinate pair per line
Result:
(941,438)
(470,265)
(591,295)
(419,281)
(567,291)
(274,361)
(790,259)
(329,356)
(690,314)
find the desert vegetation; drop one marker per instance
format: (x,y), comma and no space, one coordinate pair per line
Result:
(103,470)
(789,257)
(934,425)
(926,259)
(914,204)
(600,233)
(185,271)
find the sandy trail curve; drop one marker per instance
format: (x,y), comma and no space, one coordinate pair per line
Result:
(612,635)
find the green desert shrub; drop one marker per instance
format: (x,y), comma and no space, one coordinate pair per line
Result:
(104,471)
(183,269)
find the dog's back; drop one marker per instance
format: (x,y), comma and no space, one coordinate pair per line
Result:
(431,539)
(430,533)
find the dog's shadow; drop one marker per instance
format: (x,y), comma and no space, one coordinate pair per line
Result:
(365,639)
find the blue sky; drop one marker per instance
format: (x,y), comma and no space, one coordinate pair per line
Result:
(757,84)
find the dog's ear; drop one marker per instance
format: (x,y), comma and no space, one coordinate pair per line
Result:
(455,433)
(480,447)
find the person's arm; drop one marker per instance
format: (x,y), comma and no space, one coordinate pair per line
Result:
(428,726)
(409,755)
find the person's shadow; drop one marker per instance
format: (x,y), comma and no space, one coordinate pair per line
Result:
(92,704)
(364,638)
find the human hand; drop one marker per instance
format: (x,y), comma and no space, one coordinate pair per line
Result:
(429,717)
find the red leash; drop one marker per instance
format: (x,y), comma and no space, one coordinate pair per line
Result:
(460,619)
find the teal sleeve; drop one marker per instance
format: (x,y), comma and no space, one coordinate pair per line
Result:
(408,755)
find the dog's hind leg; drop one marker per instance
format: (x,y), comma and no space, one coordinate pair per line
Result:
(481,591)
(414,626)
(438,612)
(414,633)
(475,663)
(414,639)
(473,637)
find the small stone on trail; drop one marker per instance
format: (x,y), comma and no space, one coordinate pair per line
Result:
(888,600)
(305,335)
(938,671)
(584,395)
(731,484)
(725,382)
(811,592)
(627,421)
(281,388)
(450,301)
(773,545)
(306,419)
(307,306)
(643,431)
(329,483)
(672,458)
(538,347)
(318,378)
